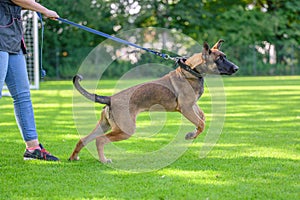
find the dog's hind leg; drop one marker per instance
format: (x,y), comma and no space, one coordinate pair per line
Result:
(114,136)
(102,127)
(196,116)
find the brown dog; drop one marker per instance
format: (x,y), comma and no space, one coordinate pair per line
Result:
(177,91)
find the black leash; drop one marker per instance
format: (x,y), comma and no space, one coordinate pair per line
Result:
(179,60)
(165,56)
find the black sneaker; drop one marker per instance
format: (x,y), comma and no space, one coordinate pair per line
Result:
(39,154)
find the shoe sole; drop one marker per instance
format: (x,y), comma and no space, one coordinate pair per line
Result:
(30,158)
(40,159)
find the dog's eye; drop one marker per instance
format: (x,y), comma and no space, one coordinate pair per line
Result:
(223,57)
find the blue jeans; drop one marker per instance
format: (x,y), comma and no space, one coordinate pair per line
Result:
(14,73)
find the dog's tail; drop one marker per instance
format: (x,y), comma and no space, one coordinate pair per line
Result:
(93,97)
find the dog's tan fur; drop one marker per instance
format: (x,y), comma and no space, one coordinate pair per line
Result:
(177,91)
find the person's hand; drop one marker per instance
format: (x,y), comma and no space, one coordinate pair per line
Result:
(51,14)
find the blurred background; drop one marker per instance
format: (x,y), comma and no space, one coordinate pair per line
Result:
(261,36)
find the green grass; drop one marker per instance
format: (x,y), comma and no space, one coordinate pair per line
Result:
(256,157)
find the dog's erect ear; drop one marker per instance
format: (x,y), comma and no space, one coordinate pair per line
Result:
(206,50)
(218,44)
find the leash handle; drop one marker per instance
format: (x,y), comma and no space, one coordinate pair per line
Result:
(165,56)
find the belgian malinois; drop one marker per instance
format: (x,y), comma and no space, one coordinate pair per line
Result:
(178,91)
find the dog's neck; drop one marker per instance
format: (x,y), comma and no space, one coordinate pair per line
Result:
(195,82)
(195,60)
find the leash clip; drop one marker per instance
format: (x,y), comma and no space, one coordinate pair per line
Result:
(168,57)
(177,59)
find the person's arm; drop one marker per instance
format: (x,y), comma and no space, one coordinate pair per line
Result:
(32,5)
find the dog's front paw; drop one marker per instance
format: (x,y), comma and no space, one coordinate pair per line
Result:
(190,136)
(74,158)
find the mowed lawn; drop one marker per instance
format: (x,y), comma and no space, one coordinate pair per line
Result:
(256,157)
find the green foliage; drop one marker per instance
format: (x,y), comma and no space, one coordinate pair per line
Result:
(256,157)
(242,24)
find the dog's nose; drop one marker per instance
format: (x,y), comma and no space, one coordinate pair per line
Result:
(235,68)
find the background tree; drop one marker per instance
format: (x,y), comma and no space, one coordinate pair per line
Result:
(251,29)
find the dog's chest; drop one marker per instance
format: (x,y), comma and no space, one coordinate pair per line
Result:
(198,86)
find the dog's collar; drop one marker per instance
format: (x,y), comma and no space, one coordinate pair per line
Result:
(187,68)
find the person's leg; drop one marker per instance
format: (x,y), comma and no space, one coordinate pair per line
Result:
(3,69)
(16,79)
(18,85)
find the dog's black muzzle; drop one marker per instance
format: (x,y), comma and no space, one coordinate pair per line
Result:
(226,67)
